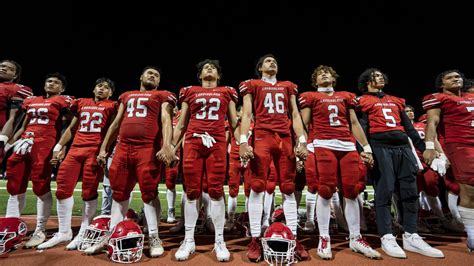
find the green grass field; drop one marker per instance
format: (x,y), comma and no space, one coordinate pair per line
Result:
(135,204)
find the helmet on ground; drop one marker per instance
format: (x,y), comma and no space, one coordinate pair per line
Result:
(12,232)
(126,242)
(94,233)
(278,244)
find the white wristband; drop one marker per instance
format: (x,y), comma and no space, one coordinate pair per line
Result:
(302,139)
(4,138)
(243,139)
(58,147)
(367,149)
(430,145)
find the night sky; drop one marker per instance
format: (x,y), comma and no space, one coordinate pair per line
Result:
(411,42)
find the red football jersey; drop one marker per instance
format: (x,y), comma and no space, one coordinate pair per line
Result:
(9,90)
(383,113)
(329,114)
(270,103)
(141,122)
(45,115)
(457,116)
(94,118)
(207,109)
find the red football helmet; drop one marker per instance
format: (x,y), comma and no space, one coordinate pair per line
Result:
(94,233)
(278,244)
(278,215)
(131,215)
(12,232)
(126,242)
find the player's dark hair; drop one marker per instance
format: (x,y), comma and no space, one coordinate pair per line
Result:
(109,81)
(411,107)
(59,76)
(439,78)
(260,63)
(324,68)
(17,69)
(152,67)
(213,62)
(368,76)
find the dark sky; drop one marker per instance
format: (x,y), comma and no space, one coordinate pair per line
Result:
(410,41)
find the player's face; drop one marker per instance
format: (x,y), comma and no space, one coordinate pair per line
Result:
(150,78)
(410,113)
(209,72)
(102,90)
(324,78)
(269,66)
(7,71)
(378,80)
(53,86)
(452,82)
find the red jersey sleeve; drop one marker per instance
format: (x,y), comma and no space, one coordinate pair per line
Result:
(292,88)
(431,101)
(169,97)
(305,100)
(21,91)
(75,106)
(351,100)
(233,94)
(184,94)
(246,87)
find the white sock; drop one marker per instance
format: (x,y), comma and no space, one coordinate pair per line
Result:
(15,205)
(453,205)
(255,212)
(118,212)
(64,208)
(191,213)
(152,211)
(218,218)
(338,210)
(231,207)
(323,212)
(88,212)
(267,208)
(43,209)
(171,198)
(291,212)
(298,196)
(435,206)
(467,216)
(310,206)
(205,200)
(351,211)
(246,204)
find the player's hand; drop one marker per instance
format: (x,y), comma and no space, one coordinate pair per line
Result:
(166,155)
(246,151)
(299,166)
(58,157)
(429,156)
(367,158)
(301,152)
(102,158)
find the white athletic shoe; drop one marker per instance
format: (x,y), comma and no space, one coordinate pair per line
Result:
(222,253)
(309,227)
(156,246)
(187,248)
(37,238)
(56,239)
(171,216)
(73,245)
(391,247)
(359,245)
(414,243)
(324,248)
(97,248)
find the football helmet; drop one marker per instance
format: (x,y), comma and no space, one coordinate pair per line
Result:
(126,242)
(12,232)
(278,244)
(131,215)
(94,233)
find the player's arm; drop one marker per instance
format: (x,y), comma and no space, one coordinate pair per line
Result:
(359,135)
(110,137)
(245,150)
(7,129)
(181,127)
(430,134)
(60,148)
(233,121)
(298,128)
(20,131)
(306,117)
(166,152)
